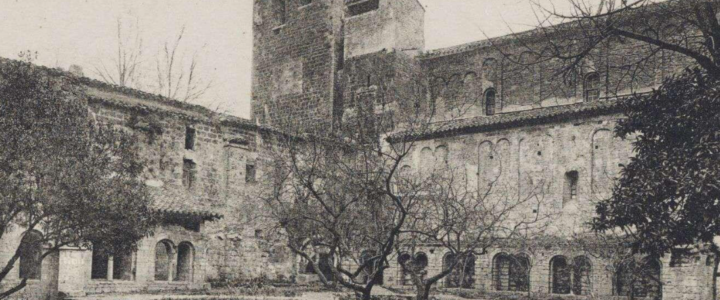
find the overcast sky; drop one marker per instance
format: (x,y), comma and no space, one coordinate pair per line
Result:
(83,32)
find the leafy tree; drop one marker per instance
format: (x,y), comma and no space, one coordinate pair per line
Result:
(61,174)
(667,194)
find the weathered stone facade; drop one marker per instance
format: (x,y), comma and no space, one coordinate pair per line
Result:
(315,62)
(539,127)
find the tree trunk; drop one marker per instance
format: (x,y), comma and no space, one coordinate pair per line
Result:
(423,292)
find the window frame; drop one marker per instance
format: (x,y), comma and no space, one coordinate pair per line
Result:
(490,104)
(589,88)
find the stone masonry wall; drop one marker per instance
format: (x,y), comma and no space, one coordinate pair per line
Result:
(293,62)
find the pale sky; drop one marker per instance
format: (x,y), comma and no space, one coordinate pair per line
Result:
(83,32)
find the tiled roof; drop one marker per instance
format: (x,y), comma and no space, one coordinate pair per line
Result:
(170,200)
(513,119)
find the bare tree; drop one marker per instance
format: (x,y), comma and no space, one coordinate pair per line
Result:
(334,194)
(176,80)
(467,219)
(125,68)
(658,30)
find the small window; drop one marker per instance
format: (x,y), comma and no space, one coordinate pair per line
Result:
(358,7)
(490,102)
(305,2)
(189,138)
(188,173)
(249,173)
(592,87)
(571,189)
(280,11)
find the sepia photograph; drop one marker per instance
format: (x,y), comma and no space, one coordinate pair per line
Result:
(360,149)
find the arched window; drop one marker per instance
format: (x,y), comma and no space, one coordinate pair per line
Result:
(581,275)
(164,251)
(489,69)
(511,273)
(561,275)
(490,102)
(31,255)
(463,275)
(591,87)
(638,279)
(441,155)
(185,258)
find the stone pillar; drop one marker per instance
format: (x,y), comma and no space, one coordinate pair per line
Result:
(75,266)
(110,268)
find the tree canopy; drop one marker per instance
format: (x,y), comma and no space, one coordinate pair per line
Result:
(667,195)
(62,174)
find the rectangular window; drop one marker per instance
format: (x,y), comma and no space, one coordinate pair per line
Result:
(358,7)
(189,173)
(250,173)
(571,187)
(189,138)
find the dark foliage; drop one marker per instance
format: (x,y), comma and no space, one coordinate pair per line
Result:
(668,194)
(61,174)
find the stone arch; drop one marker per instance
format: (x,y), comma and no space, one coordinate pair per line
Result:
(30,260)
(536,154)
(164,258)
(582,274)
(442,155)
(488,169)
(638,279)
(437,87)
(511,272)
(490,101)
(600,156)
(591,87)
(185,262)
(505,162)
(489,69)
(560,275)
(528,78)
(463,275)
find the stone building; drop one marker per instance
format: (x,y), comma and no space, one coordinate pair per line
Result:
(202,170)
(500,106)
(313,61)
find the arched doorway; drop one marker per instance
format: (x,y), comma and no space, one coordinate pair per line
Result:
(185,259)
(463,275)
(164,251)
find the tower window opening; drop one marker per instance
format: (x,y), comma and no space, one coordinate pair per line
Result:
(358,7)
(571,187)
(189,138)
